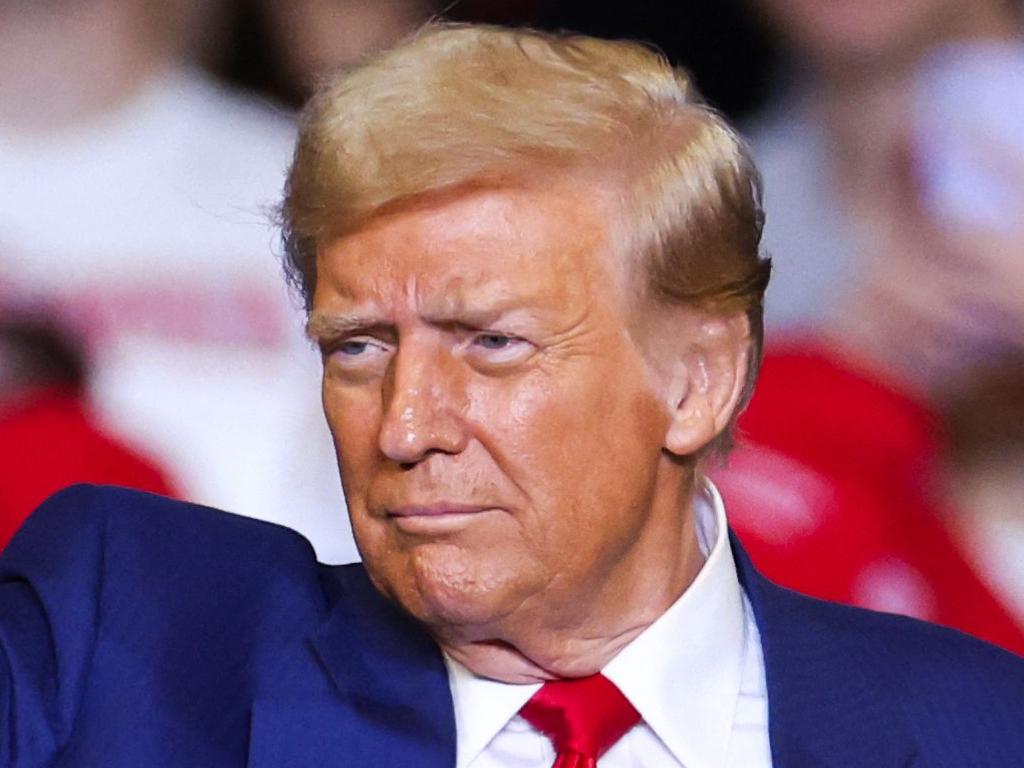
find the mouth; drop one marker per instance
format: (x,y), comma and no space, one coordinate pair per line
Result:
(437,517)
(438,509)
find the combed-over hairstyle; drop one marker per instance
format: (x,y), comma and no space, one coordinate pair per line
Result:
(461,104)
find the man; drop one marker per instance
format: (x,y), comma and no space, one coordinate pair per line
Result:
(531,264)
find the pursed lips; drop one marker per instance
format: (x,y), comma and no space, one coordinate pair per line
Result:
(440,518)
(437,509)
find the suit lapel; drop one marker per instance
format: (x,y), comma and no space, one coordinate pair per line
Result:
(826,705)
(387,702)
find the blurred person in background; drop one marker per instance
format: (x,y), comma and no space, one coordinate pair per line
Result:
(894,184)
(48,437)
(835,143)
(134,214)
(841,488)
(313,38)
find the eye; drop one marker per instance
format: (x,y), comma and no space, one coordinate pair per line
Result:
(492,348)
(493,340)
(353,348)
(358,356)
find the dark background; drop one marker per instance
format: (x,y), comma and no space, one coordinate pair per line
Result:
(720,41)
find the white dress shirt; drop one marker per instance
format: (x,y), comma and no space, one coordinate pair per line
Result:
(696,676)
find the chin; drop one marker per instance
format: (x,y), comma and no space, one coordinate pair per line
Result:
(451,589)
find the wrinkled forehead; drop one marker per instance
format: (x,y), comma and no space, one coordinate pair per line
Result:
(444,251)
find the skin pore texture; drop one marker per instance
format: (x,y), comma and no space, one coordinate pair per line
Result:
(517,469)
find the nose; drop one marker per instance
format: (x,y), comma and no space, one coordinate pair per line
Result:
(424,397)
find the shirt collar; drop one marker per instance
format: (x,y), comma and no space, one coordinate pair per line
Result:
(482,709)
(687,698)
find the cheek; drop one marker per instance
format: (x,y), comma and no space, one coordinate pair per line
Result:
(565,437)
(518,422)
(354,421)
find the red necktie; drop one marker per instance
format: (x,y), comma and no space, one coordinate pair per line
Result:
(582,717)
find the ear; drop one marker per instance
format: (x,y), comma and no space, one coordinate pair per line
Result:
(707,381)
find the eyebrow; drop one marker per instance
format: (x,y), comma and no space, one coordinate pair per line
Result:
(321,325)
(448,311)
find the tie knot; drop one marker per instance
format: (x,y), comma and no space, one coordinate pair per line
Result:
(584,716)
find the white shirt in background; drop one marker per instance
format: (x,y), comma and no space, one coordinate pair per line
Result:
(149,232)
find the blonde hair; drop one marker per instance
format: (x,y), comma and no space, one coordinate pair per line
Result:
(464,104)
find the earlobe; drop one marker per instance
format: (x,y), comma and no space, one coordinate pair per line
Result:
(691,423)
(707,384)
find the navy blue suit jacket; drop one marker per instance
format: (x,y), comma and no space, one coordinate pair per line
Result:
(137,632)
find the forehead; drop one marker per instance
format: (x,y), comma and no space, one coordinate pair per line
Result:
(554,241)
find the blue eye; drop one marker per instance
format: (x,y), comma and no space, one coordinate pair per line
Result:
(353,347)
(492,340)
(358,356)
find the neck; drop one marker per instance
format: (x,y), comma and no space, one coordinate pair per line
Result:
(61,68)
(574,636)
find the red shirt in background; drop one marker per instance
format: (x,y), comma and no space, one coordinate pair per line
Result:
(830,491)
(47,442)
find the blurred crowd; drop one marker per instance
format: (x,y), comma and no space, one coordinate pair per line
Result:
(885,449)
(148,339)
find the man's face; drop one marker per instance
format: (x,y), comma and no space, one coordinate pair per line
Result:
(497,429)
